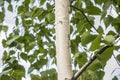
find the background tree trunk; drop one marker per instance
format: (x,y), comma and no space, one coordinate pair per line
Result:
(63,39)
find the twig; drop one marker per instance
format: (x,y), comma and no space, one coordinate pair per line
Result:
(84,67)
(85,17)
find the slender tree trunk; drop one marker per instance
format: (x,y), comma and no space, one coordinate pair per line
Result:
(63,39)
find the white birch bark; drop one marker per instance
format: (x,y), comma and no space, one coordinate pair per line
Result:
(63,39)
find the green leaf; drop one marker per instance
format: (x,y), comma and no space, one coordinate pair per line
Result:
(96,43)
(47,73)
(18,74)
(35,77)
(36,12)
(108,20)
(30,69)
(5,56)
(96,65)
(11,60)
(49,7)
(116,20)
(100,29)
(3,28)
(9,1)
(87,38)
(93,10)
(28,22)
(103,15)
(42,2)
(12,39)
(111,33)
(107,4)
(5,77)
(24,56)
(115,78)
(20,9)
(89,75)
(109,39)
(39,63)
(2,15)
(27,2)
(5,72)
(99,2)
(118,57)
(17,21)
(50,17)
(106,55)
(81,58)
(81,26)
(88,3)
(10,8)
(11,52)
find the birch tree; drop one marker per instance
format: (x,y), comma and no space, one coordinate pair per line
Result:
(63,39)
(58,39)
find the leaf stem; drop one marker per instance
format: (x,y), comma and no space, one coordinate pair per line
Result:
(85,17)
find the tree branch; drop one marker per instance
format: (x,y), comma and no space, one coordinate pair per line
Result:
(85,17)
(84,67)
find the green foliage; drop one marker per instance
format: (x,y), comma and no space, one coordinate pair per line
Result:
(90,10)
(48,74)
(33,37)
(109,39)
(96,43)
(118,57)
(115,78)
(105,56)
(80,59)
(86,38)
(3,28)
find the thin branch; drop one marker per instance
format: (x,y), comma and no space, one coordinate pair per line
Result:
(84,67)
(85,17)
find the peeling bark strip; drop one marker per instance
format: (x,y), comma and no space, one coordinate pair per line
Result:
(64,67)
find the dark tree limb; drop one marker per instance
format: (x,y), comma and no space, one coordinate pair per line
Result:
(85,17)
(85,66)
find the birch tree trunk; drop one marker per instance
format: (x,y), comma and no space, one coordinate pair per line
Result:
(63,39)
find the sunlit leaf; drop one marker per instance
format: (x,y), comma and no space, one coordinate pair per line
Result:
(106,55)
(12,39)
(50,17)
(109,39)
(87,37)
(96,43)
(93,10)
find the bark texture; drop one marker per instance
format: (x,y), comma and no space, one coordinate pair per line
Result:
(63,39)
